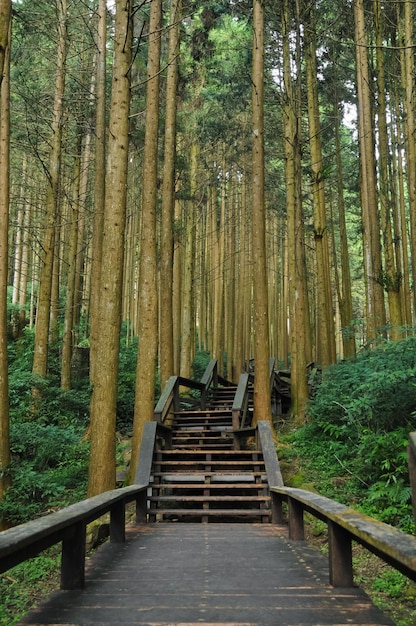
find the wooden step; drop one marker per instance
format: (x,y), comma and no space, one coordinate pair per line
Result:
(211,486)
(215,477)
(249,455)
(212,512)
(213,499)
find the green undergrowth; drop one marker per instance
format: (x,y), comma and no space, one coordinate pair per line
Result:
(353,449)
(26,584)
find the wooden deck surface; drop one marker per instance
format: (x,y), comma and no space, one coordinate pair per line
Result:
(222,574)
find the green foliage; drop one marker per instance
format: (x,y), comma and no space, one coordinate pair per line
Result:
(49,469)
(26,581)
(355,444)
(126,386)
(201,361)
(376,391)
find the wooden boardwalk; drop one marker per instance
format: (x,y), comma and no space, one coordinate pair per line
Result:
(223,574)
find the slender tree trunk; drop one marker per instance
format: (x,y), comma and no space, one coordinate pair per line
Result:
(168,199)
(262,406)
(5,37)
(148,305)
(67,339)
(391,278)
(376,317)
(102,470)
(299,310)
(40,358)
(99,181)
(344,288)
(325,348)
(188,272)
(408,72)
(177,289)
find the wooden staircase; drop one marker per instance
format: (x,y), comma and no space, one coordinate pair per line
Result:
(202,478)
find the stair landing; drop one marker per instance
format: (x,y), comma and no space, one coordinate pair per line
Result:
(222,574)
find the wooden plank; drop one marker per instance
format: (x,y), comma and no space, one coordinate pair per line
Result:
(216,574)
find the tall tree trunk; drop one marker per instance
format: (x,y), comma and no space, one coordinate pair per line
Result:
(408,71)
(99,180)
(391,278)
(375,313)
(148,305)
(299,310)
(325,348)
(262,406)
(168,199)
(102,474)
(188,272)
(344,285)
(5,37)
(67,339)
(40,358)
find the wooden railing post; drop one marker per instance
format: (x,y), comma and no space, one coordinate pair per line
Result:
(296,526)
(141,508)
(277,508)
(411,459)
(118,522)
(340,556)
(176,399)
(73,558)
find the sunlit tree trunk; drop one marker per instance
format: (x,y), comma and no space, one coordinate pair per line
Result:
(325,345)
(168,199)
(148,304)
(408,72)
(218,271)
(391,278)
(375,311)
(5,36)
(400,228)
(40,357)
(262,407)
(99,179)
(102,467)
(67,338)
(344,284)
(299,315)
(177,288)
(188,271)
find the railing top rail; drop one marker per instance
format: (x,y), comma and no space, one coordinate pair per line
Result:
(166,398)
(52,527)
(210,373)
(389,543)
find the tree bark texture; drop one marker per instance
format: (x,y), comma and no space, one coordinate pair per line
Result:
(102,474)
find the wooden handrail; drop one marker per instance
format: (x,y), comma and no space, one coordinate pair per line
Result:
(210,376)
(69,526)
(345,525)
(170,396)
(240,403)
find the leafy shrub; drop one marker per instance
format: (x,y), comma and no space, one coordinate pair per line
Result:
(200,364)
(376,391)
(49,469)
(355,444)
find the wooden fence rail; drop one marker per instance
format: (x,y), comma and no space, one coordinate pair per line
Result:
(344,526)
(69,527)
